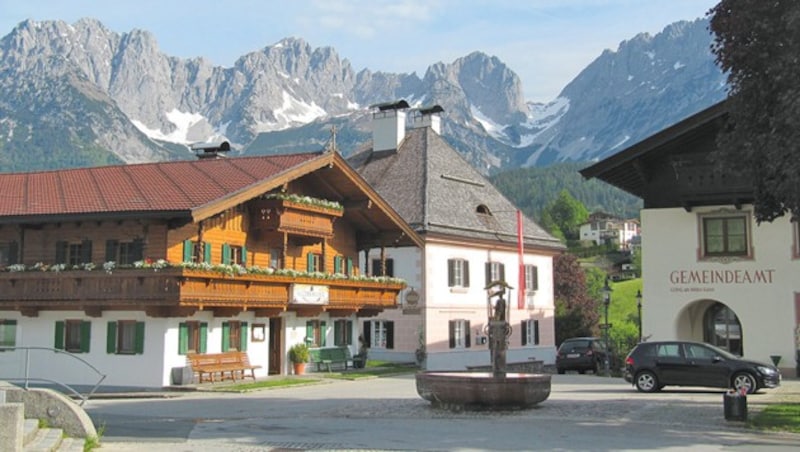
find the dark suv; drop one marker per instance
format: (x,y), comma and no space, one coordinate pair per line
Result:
(581,354)
(652,365)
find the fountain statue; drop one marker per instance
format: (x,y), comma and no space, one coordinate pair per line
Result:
(497,389)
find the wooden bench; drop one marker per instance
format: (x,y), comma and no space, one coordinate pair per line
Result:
(226,365)
(327,356)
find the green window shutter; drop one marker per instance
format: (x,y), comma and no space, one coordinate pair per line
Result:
(337,331)
(111,250)
(139,338)
(137,251)
(183,338)
(244,255)
(467,341)
(58,344)
(535,278)
(488,273)
(309,331)
(524,332)
(349,266)
(226,254)
(86,251)
(322,333)
(9,332)
(502,272)
(367,332)
(188,249)
(86,336)
(310,262)
(451,273)
(111,337)
(452,333)
(466,273)
(349,332)
(337,264)
(203,337)
(243,337)
(536,332)
(207,253)
(61,252)
(389,335)
(226,336)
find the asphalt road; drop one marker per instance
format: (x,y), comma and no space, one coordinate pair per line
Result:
(583,412)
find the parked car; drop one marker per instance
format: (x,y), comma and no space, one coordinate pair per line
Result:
(581,354)
(652,365)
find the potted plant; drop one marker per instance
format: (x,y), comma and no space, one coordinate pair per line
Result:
(299,355)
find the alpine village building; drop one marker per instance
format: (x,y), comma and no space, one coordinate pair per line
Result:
(128,268)
(472,238)
(711,273)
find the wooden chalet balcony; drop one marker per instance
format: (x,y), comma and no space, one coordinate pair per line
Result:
(175,291)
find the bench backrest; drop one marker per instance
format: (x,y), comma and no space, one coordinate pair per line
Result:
(210,359)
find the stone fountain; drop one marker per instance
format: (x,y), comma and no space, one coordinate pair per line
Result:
(498,389)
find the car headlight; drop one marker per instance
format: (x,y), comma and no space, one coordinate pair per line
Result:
(764,370)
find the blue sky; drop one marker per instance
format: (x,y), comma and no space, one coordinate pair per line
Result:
(546,42)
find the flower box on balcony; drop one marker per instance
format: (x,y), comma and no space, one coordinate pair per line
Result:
(295,217)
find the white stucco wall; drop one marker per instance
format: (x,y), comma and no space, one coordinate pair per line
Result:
(679,286)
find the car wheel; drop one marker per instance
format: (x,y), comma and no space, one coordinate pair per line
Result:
(562,371)
(646,381)
(744,380)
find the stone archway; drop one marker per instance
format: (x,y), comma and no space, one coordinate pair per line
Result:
(712,322)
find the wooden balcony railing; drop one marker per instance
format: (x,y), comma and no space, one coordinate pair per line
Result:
(175,287)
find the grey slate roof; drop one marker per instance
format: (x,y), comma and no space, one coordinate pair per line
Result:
(436,190)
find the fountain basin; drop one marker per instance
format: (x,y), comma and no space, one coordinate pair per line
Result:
(483,390)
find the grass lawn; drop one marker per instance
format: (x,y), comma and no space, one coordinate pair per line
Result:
(783,417)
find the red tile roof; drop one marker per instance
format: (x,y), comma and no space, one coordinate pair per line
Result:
(165,186)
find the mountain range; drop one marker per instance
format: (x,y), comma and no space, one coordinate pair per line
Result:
(80,95)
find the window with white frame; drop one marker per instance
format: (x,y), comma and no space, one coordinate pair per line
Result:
(725,234)
(530,332)
(458,273)
(495,271)
(531,278)
(379,334)
(459,334)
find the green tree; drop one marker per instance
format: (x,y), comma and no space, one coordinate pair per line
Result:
(567,213)
(757,43)
(576,313)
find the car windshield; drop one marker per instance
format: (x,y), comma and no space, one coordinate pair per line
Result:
(576,344)
(723,353)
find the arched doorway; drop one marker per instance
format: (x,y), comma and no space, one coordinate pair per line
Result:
(722,328)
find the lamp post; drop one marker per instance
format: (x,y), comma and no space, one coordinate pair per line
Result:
(639,310)
(606,326)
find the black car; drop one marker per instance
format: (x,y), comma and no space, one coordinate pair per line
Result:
(652,365)
(581,354)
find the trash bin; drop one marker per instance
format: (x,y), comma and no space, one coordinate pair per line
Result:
(735,405)
(182,375)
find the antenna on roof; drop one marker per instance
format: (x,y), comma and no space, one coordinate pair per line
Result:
(332,142)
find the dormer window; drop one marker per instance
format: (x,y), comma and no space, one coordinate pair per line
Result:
(483,210)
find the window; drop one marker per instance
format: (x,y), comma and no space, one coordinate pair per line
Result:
(234,336)
(457,273)
(194,251)
(379,334)
(376,267)
(192,337)
(668,351)
(73,253)
(495,271)
(125,337)
(531,278)
(233,254)
(314,262)
(275,258)
(8,253)
(8,333)
(124,252)
(343,265)
(459,334)
(315,333)
(530,332)
(342,332)
(725,235)
(73,336)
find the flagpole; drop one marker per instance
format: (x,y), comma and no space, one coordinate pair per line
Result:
(521,252)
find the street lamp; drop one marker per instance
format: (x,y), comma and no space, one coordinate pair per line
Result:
(639,310)
(606,326)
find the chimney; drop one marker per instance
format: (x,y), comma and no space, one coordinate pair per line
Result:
(210,150)
(388,125)
(427,117)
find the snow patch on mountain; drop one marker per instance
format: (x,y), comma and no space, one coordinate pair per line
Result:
(183,123)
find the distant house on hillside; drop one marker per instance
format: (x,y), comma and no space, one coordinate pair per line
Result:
(602,229)
(470,239)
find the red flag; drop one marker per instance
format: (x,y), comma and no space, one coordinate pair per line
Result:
(521,252)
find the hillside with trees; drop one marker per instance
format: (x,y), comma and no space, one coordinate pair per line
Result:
(533,189)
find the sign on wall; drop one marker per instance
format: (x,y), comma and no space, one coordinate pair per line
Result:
(309,294)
